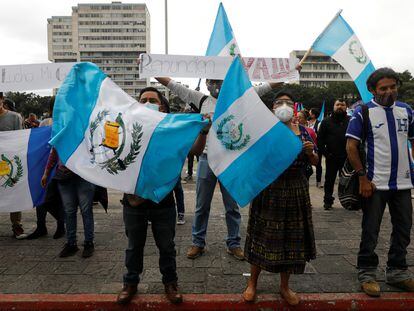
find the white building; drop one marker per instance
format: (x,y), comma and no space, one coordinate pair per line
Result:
(111,35)
(319,69)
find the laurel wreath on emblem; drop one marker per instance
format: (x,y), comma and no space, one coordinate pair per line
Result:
(362,59)
(115,164)
(12,179)
(232,50)
(237,144)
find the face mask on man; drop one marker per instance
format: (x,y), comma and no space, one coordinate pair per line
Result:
(284,113)
(386,99)
(152,106)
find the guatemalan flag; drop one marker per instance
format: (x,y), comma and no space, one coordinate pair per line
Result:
(23,157)
(222,41)
(340,42)
(108,138)
(248,147)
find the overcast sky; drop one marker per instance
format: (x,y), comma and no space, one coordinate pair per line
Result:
(262,27)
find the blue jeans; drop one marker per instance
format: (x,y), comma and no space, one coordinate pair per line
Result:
(206,182)
(163,229)
(179,197)
(77,192)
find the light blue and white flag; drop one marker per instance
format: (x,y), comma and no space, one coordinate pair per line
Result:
(248,147)
(108,138)
(322,113)
(340,42)
(222,41)
(23,158)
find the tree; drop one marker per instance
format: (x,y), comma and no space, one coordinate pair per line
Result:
(29,103)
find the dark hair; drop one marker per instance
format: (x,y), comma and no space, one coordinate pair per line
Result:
(163,100)
(283,93)
(1,95)
(10,104)
(315,111)
(380,74)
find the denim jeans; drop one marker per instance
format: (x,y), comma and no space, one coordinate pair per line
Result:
(179,197)
(400,207)
(163,229)
(206,182)
(77,192)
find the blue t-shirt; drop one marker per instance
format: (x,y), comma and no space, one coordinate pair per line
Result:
(389,129)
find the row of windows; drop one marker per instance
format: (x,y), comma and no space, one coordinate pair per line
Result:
(62,26)
(113,7)
(111,38)
(133,55)
(111,15)
(109,45)
(62,33)
(61,40)
(118,30)
(113,23)
(114,61)
(325,75)
(62,47)
(64,54)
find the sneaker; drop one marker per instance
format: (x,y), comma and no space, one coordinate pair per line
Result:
(88,249)
(327,207)
(406,285)
(194,252)
(18,232)
(236,252)
(188,178)
(371,288)
(180,219)
(68,250)
(39,232)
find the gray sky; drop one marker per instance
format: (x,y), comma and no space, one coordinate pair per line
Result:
(262,27)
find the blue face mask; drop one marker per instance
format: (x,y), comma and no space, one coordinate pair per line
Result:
(152,106)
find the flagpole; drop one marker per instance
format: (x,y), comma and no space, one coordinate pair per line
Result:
(167,91)
(310,49)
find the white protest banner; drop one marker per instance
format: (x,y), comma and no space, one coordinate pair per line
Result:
(215,67)
(33,76)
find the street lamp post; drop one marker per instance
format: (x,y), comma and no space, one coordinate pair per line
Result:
(167,92)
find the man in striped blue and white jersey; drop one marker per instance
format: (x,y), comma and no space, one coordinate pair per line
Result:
(386,178)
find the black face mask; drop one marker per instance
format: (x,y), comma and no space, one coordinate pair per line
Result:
(387,99)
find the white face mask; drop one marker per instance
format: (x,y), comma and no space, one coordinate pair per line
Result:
(284,113)
(152,106)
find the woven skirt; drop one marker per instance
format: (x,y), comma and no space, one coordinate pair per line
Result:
(280,236)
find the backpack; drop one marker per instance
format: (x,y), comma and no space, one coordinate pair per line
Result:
(348,185)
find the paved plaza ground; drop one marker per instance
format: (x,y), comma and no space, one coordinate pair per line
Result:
(34,267)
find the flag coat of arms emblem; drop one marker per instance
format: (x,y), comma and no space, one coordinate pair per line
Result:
(248,146)
(108,138)
(23,157)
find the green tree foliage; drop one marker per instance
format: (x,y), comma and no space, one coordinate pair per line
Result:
(29,103)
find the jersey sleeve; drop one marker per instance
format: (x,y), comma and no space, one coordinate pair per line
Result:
(355,126)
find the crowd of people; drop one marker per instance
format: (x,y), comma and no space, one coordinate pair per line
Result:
(280,236)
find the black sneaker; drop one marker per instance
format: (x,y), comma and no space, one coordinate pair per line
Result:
(68,250)
(88,249)
(39,232)
(327,207)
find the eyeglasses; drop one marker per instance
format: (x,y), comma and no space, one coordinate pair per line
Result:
(150,100)
(283,101)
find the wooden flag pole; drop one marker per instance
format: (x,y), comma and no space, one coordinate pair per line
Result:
(310,49)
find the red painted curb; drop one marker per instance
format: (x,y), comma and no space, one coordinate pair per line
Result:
(390,301)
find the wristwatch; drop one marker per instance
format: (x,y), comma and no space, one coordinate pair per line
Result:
(361,172)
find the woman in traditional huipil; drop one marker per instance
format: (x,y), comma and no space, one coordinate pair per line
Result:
(280,237)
